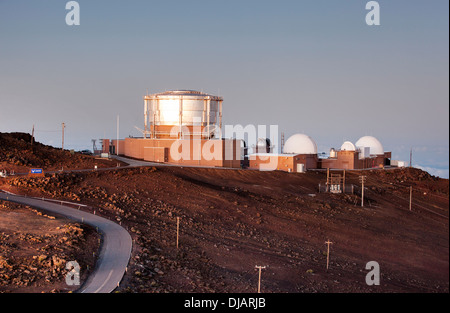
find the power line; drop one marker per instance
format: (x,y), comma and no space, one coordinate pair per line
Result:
(415,204)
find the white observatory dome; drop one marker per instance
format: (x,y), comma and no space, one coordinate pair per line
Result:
(262,146)
(263,142)
(368,141)
(300,144)
(348,146)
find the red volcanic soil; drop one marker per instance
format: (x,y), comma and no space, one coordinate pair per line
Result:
(35,247)
(19,154)
(233,220)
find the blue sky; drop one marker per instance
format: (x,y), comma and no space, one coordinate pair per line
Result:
(313,67)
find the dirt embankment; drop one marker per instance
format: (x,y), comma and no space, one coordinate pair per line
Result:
(232,220)
(35,247)
(19,153)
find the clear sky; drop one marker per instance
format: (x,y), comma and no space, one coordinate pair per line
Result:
(313,67)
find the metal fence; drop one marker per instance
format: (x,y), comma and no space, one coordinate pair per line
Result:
(339,188)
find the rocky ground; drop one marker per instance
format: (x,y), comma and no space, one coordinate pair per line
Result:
(230,221)
(35,247)
(233,220)
(19,153)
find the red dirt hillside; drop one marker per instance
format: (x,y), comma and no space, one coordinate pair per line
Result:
(232,220)
(17,153)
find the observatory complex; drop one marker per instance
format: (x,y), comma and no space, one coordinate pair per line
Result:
(184,127)
(300,154)
(367,152)
(181,127)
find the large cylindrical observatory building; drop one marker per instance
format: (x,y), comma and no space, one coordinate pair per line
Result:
(182,113)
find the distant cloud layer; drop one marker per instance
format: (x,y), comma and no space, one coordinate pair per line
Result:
(440,172)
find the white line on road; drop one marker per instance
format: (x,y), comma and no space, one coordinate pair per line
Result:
(104,283)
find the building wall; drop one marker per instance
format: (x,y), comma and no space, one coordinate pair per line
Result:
(350,160)
(271,162)
(174,131)
(344,160)
(120,144)
(227,153)
(156,154)
(203,152)
(105,145)
(286,162)
(310,160)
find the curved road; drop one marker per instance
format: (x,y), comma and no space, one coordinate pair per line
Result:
(115,251)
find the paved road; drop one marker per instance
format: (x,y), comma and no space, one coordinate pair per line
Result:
(115,250)
(135,163)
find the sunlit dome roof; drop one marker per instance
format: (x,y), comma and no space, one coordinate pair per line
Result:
(188,94)
(368,141)
(348,146)
(300,144)
(183,92)
(263,142)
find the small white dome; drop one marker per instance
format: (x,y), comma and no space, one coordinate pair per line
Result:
(348,146)
(300,144)
(368,141)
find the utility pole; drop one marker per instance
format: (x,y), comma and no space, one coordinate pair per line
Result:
(343,185)
(362,179)
(32,135)
(328,180)
(259,279)
(410,157)
(117,148)
(328,242)
(63,126)
(178,229)
(410,198)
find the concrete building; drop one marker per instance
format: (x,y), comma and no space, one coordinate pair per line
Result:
(194,113)
(184,127)
(181,127)
(201,152)
(368,152)
(299,154)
